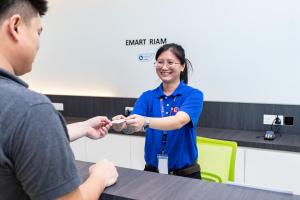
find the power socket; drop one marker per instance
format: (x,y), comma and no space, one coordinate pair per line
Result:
(269,119)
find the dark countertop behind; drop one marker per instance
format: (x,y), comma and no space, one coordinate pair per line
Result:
(254,139)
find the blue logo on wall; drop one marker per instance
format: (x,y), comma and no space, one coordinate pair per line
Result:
(145,57)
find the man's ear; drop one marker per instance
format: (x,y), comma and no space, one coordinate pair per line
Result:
(14,24)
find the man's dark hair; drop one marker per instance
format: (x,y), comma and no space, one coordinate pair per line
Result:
(26,8)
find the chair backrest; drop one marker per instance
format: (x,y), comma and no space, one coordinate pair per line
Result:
(216,159)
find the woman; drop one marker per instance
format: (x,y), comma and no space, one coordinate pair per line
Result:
(169,114)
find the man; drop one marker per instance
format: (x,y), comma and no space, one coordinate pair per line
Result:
(36,161)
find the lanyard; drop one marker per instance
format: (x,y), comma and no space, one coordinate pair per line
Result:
(165,134)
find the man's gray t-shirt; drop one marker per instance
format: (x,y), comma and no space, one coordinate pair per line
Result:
(36,161)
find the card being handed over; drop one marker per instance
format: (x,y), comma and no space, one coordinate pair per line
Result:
(118,121)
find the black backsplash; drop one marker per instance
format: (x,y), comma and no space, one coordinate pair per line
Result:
(247,116)
(81,106)
(224,115)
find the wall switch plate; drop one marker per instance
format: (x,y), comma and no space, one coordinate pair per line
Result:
(58,106)
(269,119)
(128,110)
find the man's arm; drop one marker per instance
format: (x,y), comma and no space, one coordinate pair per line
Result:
(102,174)
(44,162)
(94,128)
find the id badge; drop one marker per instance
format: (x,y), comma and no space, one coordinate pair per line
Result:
(162,164)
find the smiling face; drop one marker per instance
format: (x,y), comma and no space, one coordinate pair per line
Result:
(168,67)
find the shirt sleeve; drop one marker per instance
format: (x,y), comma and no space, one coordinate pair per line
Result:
(44,162)
(192,105)
(141,105)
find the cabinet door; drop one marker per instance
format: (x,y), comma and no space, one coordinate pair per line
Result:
(137,152)
(115,148)
(273,169)
(79,149)
(240,166)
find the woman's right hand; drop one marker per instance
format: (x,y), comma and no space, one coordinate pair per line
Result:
(119,126)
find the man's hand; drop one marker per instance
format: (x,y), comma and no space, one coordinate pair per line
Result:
(105,170)
(94,128)
(97,127)
(102,175)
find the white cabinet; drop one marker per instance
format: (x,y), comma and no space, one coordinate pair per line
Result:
(274,169)
(270,169)
(137,152)
(122,150)
(239,176)
(113,147)
(79,149)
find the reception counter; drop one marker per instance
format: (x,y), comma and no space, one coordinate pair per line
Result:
(135,184)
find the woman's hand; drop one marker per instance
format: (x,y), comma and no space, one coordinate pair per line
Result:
(135,122)
(121,124)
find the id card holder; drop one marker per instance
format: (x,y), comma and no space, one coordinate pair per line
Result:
(162,163)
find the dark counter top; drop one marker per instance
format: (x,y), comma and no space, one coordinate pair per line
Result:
(254,139)
(135,184)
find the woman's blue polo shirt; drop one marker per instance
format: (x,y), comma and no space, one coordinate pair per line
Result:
(181,145)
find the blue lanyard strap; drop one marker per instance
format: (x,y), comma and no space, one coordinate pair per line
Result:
(164,143)
(165,134)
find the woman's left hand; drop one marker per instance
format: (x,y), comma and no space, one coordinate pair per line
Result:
(135,122)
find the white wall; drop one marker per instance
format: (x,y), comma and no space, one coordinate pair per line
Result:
(242,51)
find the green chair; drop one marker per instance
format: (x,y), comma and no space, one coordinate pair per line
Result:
(216,159)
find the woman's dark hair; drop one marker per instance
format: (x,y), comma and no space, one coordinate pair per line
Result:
(178,51)
(26,8)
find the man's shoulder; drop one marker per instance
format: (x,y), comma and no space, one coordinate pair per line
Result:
(20,95)
(16,100)
(32,98)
